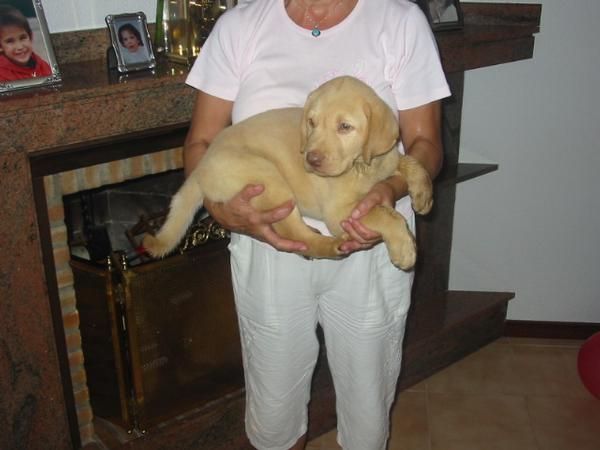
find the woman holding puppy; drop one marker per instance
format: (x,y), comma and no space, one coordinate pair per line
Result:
(266,54)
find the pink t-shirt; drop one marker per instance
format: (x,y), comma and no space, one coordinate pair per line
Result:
(257,57)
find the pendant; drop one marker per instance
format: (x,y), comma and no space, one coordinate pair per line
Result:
(316,32)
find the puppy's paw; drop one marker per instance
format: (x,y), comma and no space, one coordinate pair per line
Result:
(422,199)
(404,254)
(420,186)
(155,247)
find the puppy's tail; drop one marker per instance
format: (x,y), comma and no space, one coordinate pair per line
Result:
(184,205)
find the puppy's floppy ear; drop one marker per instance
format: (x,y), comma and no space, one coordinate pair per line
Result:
(382,128)
(304,123)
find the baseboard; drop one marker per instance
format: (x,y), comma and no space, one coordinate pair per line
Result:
(550,330)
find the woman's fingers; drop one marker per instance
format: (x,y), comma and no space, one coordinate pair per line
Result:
(239,215)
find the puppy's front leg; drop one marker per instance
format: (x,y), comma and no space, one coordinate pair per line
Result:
(394,230)
(420,187)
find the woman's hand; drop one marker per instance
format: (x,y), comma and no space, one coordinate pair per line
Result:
(210,116)
(420,129)
(361,237)
(240,216)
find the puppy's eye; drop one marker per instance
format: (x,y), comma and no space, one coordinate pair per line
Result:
(311,123)
(345,127)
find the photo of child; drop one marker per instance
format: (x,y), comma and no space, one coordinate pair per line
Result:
(131,45)
(133,49)
(18,60)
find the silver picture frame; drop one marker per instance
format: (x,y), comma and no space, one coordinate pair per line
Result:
(41,68)
(125,29)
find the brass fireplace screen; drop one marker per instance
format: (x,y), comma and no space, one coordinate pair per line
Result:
(159,338)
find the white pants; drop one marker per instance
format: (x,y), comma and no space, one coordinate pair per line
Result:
(361,303)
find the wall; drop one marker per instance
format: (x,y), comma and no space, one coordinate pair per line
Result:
(531,227)
(69,15)
(534,226)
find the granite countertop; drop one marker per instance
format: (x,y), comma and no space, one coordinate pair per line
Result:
(89,105)
(88,79)
(92,104)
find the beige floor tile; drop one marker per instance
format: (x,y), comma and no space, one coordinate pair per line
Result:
(545,370)
(409,423)
(515,370)
(575,387)
(564,423)
(487,371)
(482,422)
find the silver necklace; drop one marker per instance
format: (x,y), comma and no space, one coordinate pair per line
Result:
(316,32)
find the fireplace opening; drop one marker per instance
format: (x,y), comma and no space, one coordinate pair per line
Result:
(106,219)
(159,338)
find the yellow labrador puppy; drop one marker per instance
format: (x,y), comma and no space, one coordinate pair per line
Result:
(325,156)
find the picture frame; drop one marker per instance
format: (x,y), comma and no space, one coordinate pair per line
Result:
(130,42)
(442,14)
(26,55)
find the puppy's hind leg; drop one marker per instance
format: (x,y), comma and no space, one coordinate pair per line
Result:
(319,246)
(398,238)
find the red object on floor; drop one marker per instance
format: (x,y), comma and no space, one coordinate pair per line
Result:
(588,364)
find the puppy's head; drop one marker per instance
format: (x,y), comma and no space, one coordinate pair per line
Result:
(345,122)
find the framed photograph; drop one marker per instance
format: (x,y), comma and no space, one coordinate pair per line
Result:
(131,42)
(26,55)
(442,14)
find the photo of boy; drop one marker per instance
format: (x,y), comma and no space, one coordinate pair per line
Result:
(130,39)
(18,61)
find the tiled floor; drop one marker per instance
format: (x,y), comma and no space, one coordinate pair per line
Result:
(514,394)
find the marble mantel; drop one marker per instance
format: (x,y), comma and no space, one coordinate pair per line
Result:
(90,106)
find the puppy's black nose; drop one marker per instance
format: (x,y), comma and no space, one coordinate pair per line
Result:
(314,158)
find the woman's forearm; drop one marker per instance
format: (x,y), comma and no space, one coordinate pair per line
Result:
(192,154)
(429,154)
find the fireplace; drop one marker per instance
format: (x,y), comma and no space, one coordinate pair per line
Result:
(149,341)
(159,337)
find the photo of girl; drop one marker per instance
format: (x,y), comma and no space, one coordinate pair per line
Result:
(130,43)
(18,60)
(130,39)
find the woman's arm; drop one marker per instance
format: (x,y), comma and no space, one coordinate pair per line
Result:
(210,116)
(420,129)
